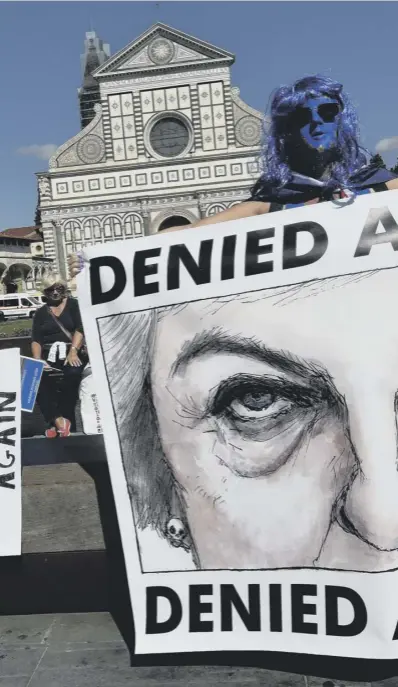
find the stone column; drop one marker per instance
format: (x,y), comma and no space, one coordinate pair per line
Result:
(59,250)
(146,217)
(202,207)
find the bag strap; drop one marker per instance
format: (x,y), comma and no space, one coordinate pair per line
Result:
(60,325)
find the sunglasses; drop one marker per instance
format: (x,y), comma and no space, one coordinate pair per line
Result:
(54,289)
(302,116)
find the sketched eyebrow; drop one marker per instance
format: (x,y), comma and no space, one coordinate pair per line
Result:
(219,341)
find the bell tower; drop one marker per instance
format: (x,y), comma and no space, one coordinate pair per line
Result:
(96,52)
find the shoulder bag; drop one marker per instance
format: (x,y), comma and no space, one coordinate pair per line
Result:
(82,352)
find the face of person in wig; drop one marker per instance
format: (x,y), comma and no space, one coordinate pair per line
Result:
(314,125)
(277,416)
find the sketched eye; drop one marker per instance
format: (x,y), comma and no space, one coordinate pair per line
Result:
(259,421)
(248,398)
(257,405)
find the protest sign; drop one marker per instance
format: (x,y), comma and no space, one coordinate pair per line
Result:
(10,453)
(247,376)
(31,372)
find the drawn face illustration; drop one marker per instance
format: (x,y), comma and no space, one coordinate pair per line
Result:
(315,124)
(277,416)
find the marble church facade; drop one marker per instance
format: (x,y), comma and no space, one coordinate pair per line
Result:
(171,141)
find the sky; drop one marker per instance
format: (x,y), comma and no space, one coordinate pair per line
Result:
(274,43)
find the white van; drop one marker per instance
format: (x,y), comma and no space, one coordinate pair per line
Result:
(18,305)
(39,298)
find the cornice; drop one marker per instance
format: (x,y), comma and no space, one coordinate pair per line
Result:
(160,70)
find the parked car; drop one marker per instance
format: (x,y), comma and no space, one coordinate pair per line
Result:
(17,305)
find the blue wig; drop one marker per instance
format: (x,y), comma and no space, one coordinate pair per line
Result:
(350,156)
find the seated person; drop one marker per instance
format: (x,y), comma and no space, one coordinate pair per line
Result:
(57,336)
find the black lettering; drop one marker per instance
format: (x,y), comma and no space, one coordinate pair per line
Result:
(197,607)
(250,616)
(6,479)
(7,418)
(97,295)
(199,271)
(11,460)
(141,271)
(8,398)
(254,250)
(300,609)
(395,636)
(5,433)
(369,237)
(275,607)
(153,626)
(290,236)
(357,625)
(228,257)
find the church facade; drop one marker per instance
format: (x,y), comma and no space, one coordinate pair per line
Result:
(170,142)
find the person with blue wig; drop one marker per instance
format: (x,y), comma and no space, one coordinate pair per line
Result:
(310,153)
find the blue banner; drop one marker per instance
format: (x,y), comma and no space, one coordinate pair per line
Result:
(31,371)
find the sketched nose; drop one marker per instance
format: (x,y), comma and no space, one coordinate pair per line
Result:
(371,505)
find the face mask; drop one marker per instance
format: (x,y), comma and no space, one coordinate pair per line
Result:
(56,295)
(315,124)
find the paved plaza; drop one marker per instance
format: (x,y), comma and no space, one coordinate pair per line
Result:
(86,650)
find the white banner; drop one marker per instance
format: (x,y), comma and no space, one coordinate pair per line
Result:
(10,453)
(247,375)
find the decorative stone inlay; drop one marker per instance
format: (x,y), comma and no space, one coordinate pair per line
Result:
(45,189)
(161,51)
(248,131)
(91,149)
(66,158)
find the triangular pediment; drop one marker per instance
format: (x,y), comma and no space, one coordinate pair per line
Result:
(160,48)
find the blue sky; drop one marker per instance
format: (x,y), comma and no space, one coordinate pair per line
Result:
(274,43)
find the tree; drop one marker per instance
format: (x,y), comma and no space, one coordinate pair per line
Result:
(378,161)
(37,219)
(394,169)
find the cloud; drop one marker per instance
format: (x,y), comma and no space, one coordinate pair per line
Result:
(43,152)
(386,144)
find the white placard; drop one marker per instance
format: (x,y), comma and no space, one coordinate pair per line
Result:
(10,453)
(247,375)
